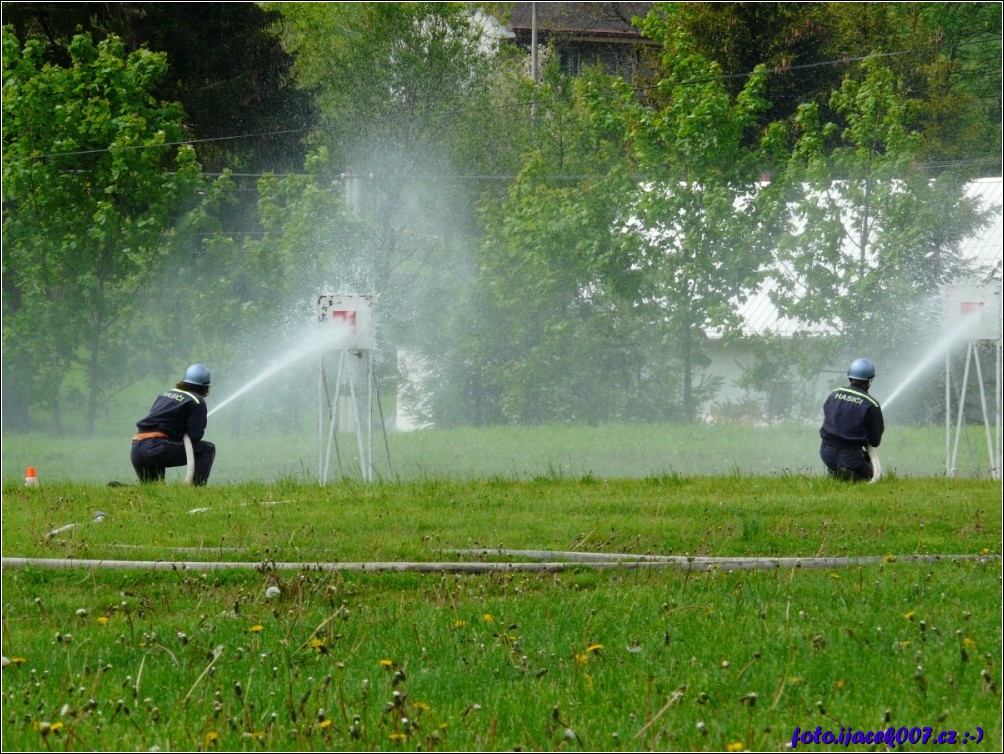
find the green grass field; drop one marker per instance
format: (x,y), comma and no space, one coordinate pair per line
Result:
(566,657)
(614,451)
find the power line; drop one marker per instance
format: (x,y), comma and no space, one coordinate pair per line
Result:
(517,105)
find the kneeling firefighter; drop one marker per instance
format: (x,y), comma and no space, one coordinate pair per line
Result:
(159,442)
(852,421)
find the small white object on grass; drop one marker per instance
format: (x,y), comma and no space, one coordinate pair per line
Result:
(272,592)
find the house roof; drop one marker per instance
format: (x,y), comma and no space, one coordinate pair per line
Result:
(583,19)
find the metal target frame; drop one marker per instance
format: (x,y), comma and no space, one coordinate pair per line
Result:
(980,305)
(351,370)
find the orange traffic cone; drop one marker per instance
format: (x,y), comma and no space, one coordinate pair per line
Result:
(31,477)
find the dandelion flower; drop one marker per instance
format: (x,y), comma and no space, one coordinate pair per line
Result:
(325,723)
(459,623)
(488,618)
(910,615)
(397,737)
(386,663)
(736,746)
(212,738)
(581,659)
(101,620)
(968,643)
(256,628)
(594,647)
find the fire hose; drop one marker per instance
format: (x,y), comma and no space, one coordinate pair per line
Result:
(876,465)
(190,459)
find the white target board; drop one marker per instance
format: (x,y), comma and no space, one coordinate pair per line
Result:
(974,308)
(351,313)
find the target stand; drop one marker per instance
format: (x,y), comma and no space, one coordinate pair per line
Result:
(347,387)
(976,310)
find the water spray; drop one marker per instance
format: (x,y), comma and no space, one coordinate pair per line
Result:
(314,342)
(959,332)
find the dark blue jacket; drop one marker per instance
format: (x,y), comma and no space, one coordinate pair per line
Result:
(852,418)
(177,413)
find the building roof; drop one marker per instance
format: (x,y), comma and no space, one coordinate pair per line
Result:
(585,19)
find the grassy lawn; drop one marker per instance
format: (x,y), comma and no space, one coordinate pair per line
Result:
(576,658)
(616,451)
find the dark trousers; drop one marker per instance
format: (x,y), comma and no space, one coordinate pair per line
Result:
(153,456)
(847,463)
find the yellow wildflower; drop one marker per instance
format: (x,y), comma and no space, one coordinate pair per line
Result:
(736,746)
(397,737)
(459,623)
(581,659)
(325,723)
(101,620)
(968,643)
(910,615)
(594,647)
(256,628)
(212,738)
(386,663)
(488,618)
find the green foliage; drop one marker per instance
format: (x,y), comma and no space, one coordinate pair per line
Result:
(227,69)
(873,237)
(93,177)
(626,266)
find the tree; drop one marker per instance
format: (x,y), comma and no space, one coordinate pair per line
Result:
(945,54)
(701,223)
(244,109)
(92,178)
(873,236)
(631,231)
(790,39)
(412,96)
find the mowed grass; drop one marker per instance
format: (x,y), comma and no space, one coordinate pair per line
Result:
(615,451)
(261,658)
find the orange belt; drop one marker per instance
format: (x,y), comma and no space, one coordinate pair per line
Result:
(148,435)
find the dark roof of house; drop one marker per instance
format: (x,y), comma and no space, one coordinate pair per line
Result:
(594,19)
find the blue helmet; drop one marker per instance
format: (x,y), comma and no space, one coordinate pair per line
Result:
(197,374)
(860,369)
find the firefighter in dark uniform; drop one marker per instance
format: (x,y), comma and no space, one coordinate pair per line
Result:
(852,420)
(159,442)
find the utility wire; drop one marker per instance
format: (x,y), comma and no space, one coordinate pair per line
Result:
(517,105)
